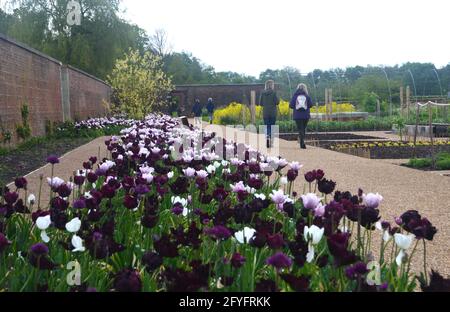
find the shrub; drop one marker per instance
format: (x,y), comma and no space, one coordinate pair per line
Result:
(419,163)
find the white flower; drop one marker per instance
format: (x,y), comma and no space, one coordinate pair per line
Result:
(284,181)
(43,224)
(74,225)
(225,163)
(211,169)
(386,235)
(77,243)
(146,169)
(310,201)
(372,200)
(31,199)
(238,187)
(170,175)
(202,174)
(180,200)
(319,211)
(107,165)
(260,196)
(403,242)
(279,198)
(148,177)
(313,235)
(55,182)
(189,172)
(295,165)
(245,235)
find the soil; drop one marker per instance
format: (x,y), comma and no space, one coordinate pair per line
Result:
(22,161)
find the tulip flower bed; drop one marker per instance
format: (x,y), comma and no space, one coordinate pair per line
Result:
(145,220)
(31,154)
(391,149)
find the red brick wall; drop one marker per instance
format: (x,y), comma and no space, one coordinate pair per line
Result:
(87,96)
(28,76)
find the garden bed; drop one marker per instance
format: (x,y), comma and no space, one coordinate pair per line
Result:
(387,150)
(152,220)
(24,160)
(328,137)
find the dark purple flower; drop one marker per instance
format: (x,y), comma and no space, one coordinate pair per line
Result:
(326,186)
(298,284)
(79,203)
(21,183)
(422,229)
(356,271)
(93,159)
(59,203)
(338,247)
(292,175)
(319,174)
(166,247)
(127,280)
(152,261)
(53,159)
(220,194)
(369,216)
(310,176)
(92,177)
(64,190)
(177,209)
(108,191)
(79,180)
(11,197)
(279,261)
(218,232)
(149,221)
(275,241)
(437,283)
(266,286)
(141,189)
(39,249)
(130,202)
(237,260)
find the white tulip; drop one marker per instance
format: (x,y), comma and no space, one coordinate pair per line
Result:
(245,235)
(43,224)
(31,199)
(313,235)
(77,243)
(403,242)
(74,225)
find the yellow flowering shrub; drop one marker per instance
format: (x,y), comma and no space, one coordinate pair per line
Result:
(337,108)
(232,114)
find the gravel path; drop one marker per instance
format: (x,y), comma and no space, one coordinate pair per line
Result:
(69,163)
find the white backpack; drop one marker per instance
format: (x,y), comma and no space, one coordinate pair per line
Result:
(301,103)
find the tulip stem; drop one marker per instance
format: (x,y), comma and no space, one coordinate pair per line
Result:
(425,261)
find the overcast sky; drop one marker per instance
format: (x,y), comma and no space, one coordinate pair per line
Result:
(249,36)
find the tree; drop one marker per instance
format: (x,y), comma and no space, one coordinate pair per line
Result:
(93,46)
(159,43)
(140,84)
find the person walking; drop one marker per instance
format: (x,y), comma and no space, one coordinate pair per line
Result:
(197,111)
(210,108)
(301,103)
(269,100)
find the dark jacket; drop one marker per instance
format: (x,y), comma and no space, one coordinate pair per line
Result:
(269,101)
(197,109)
(301,113)
(210,107)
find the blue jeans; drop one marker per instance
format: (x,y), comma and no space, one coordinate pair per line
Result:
(269,122)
